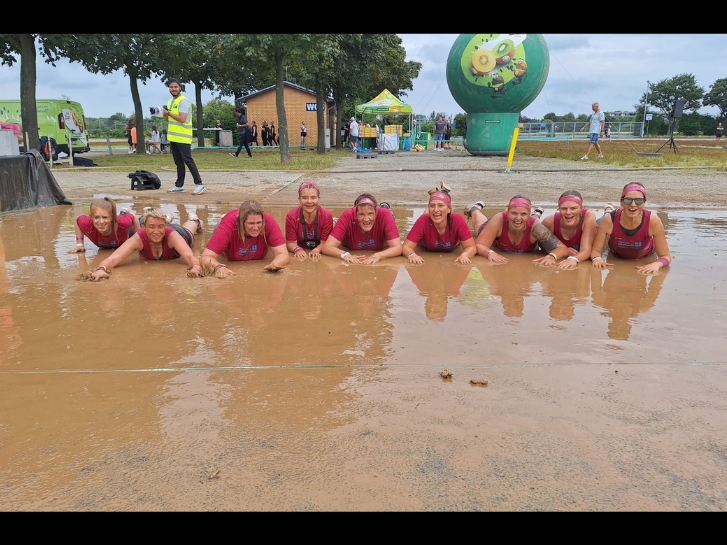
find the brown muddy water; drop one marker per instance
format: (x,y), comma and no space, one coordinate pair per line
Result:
(318,388)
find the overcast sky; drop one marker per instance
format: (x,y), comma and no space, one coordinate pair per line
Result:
(611,69)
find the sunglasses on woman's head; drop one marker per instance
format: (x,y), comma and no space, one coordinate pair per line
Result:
(629,200)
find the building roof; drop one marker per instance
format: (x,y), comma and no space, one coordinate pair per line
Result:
(287,83)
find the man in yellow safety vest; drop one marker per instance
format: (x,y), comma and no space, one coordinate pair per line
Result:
(178,113)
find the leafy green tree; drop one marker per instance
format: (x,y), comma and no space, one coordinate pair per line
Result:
(665,93)
(460,125)
(717,96)
(140,56)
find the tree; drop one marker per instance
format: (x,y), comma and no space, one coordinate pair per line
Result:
(139,55)
(665,93)
(460,125)
(717,96)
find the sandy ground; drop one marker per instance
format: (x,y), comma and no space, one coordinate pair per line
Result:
(318,388)
(403,178)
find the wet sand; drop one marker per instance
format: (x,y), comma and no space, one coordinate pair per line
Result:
(318,388)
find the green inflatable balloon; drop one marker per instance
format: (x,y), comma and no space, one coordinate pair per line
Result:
(494,77)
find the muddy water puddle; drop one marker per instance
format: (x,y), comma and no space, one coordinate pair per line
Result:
(151,377)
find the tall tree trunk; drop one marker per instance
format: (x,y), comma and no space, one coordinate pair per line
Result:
(339,120)
(138,112)
(321,115)
(200,121)
(28,108)
(280,106)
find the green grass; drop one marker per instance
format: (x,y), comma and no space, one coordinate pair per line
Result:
(220,159)
(623,153)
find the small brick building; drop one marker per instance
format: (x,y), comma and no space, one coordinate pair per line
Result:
(300,105)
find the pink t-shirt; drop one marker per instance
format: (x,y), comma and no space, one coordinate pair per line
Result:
(226,239)
(425,233)
(638,245)
(125,221)
(503,241)
(349,233)
(294,228)
(574,242)
(167,252)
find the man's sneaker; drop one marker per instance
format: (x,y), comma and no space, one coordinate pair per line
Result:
(608,208)
(601,157)
(537,212)
(584,158)
(130,152)
(148,152)
(147,209)
(175,189)
(468,209)
(124,211)
(199,189)
(445,187)
(235,156)
(170,218)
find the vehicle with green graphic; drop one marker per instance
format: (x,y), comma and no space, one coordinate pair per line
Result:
(62,120)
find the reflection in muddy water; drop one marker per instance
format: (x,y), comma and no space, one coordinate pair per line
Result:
(152,371)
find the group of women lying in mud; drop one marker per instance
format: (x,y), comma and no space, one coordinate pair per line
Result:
(571,235)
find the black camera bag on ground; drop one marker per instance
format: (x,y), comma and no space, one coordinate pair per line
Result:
(143,179)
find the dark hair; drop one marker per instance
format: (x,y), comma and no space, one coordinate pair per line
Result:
(571,192)
(173,80)
(365,196)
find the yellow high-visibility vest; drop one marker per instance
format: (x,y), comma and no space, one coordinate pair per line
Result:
(176,131)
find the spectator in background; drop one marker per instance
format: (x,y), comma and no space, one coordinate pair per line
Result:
(129,126)
(447,134)
(218,126)
(597,124)
(303,133)
(344,134)
(253,134)
(265,133)
(720,131)
(439,125)
(153,146)
(165,141)
(273,135)
(352,133)
(243,131)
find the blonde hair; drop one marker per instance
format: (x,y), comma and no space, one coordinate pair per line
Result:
(249,208)
(154,213)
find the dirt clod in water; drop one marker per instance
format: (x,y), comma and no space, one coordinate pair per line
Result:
(479,381)
(445,373)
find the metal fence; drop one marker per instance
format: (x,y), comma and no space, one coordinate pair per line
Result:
(626,129)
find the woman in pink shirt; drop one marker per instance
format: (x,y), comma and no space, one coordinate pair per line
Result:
(103,226)
(308,226)
(440,230)
(366,226)
(245,235)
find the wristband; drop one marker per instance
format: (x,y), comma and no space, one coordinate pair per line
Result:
(597,257)
(488,252)
(297,249)
(664,261)
(344,254)
(411,254)
(220,266)
(101,267)
(553,255)
(79,245)
(574,257)
(79,238)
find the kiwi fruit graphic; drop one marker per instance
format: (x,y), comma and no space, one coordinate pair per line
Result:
(483,60)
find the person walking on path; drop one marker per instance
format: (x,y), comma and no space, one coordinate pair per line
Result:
(439,126)
(178,113)
(598,126)
(720,131)
(352,133)
(243,129)
(218,126)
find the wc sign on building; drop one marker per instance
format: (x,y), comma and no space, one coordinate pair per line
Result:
(311,107)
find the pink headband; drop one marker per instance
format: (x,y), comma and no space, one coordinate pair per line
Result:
(366,200)
(633,187)
(573,198)
(519,201)
(441,196)
(308,183)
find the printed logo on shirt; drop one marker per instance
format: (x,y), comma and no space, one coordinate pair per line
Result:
(363,244)
(624,244)
(244,251)
(444,245)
